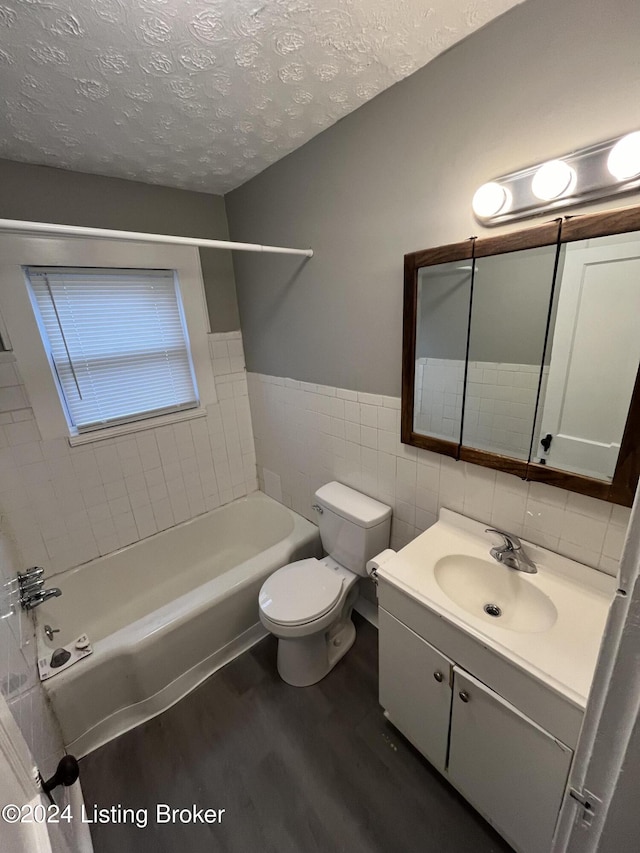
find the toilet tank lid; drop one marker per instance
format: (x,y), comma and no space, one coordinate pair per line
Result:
(351,505)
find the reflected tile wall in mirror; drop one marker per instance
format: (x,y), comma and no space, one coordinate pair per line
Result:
(506,345)
(593,355)
(444,291)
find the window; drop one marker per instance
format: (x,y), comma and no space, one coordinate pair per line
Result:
(117,342)
(21,255)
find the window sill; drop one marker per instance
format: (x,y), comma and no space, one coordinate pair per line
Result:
(136,426)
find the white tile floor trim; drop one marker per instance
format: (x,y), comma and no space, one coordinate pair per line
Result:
(306,435)
(67,505)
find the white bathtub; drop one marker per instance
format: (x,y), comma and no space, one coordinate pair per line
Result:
(164,614)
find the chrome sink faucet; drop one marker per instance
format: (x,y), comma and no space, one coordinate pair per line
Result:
(511,552)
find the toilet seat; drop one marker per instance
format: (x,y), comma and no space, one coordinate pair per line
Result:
(300,592)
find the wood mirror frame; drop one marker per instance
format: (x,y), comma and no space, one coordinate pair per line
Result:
(621,489)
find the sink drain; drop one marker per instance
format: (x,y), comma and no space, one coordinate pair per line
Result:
(492,610)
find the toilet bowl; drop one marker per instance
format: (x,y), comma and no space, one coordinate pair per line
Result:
(307,605)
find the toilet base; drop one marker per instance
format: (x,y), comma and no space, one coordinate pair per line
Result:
(303,661)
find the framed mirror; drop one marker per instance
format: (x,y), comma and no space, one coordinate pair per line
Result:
(521,353)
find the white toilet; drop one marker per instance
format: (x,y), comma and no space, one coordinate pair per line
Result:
(307,605)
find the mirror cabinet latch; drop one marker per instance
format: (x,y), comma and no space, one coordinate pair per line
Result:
(588,801)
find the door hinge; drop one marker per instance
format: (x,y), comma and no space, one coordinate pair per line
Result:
(588,801)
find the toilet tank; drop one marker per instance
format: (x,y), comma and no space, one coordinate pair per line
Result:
(353,527)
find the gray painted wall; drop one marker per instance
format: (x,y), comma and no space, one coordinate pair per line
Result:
(43,194)
(511,298)
(444,292)
(399,173)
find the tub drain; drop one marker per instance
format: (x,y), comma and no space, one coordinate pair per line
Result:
(492,610)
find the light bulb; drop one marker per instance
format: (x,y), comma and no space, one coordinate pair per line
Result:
(491,199)
(552,180)
(624,157)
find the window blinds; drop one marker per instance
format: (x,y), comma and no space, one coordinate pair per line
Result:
(118,342)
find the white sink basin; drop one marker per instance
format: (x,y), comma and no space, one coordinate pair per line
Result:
(550,622)
(495,593)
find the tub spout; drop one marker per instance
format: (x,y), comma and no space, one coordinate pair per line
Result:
(36,598)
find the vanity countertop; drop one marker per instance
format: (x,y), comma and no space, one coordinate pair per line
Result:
(561,610)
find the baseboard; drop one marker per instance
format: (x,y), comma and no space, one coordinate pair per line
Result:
(367,609)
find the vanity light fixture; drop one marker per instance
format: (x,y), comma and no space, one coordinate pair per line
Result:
(624,157)
(586,174)
(491,199)
(553,180)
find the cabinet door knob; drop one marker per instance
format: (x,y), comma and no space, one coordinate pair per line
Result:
(438,675)
(464,695)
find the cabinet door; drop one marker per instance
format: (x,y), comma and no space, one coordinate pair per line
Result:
(415,688)
(508,768)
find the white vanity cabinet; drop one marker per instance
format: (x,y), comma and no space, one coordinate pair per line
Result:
(507,766)
(511,770)
(517,653)
(415,688)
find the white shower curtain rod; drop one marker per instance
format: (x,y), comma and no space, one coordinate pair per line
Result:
(50,228)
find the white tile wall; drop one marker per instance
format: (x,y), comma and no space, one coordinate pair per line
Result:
(306,435)
(439,389)
(66,505)
(500,404)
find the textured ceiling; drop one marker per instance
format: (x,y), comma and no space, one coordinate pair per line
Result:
(203,94)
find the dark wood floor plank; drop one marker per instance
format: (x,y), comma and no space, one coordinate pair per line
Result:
(313,770)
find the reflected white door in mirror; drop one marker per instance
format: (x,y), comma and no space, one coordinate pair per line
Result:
(595,354)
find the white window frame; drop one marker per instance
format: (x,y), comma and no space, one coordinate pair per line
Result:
(19,251)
